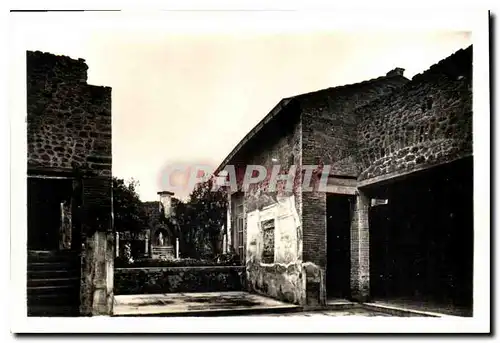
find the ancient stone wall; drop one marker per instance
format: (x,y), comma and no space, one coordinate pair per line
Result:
(329,123)
(69,132)
(156,280)
(274,253)
(329,137)
(380,127)
(427,122)
(69,121)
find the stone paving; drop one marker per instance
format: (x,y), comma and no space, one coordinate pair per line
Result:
(243,303)
(184,303)
(332,313)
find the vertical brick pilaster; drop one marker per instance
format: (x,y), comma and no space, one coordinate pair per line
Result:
(314,245)
(229,231)
(360,249)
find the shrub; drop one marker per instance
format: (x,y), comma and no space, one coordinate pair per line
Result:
(186,262)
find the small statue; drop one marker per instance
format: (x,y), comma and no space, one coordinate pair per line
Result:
(160,239)
(128,253)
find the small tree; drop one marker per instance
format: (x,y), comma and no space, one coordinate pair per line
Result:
(185,217)
(201,219)
(128,210)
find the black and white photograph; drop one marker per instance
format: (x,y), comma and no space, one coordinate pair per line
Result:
(250,171)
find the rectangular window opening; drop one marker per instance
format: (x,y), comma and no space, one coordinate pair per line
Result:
(268,238)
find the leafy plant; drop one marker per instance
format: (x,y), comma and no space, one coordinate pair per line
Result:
(201,220)
(128,210)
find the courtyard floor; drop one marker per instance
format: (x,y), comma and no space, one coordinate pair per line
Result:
(243,303)
(202,304)
(355,311)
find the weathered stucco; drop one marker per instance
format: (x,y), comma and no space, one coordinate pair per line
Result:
(282,278)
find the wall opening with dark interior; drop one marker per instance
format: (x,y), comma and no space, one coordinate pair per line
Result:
(338,264)
(238,224)
(421,242)
(268,227)
(45,196)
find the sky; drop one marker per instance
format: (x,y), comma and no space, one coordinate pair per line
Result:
(189,96)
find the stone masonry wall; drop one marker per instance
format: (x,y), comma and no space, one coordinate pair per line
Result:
(425,123)
(329,123)
(69,131)
(69,121)
(156,280)
(278,143)
(329,137)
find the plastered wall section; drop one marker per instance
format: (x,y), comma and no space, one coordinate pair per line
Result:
(281,277)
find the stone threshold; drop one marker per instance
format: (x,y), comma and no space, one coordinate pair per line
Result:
(399,311)
(216,313)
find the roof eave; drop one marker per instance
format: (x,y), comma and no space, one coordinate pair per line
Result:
(272,114)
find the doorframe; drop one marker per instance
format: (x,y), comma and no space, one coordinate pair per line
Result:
(351,199)
(35,174)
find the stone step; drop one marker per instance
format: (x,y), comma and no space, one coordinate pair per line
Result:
(65,281)
(67,298)
(53,273)
(53,256)
(162,249)
(51,290)
(50,266)
(53,311)
(53,283)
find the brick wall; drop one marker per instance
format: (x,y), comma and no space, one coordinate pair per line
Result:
(425,123)
(69,121)
(365,130)
(329,137)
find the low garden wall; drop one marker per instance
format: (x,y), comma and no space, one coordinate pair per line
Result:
(150,280)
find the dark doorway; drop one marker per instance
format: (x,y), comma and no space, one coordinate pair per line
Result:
(44,211)
(338,264)
(421,242)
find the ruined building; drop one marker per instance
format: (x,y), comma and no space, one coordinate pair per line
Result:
(162,230)
(159,238)
(70,238)
(395,221)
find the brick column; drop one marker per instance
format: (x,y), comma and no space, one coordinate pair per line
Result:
(229,233)
(314,247)
(360,249)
